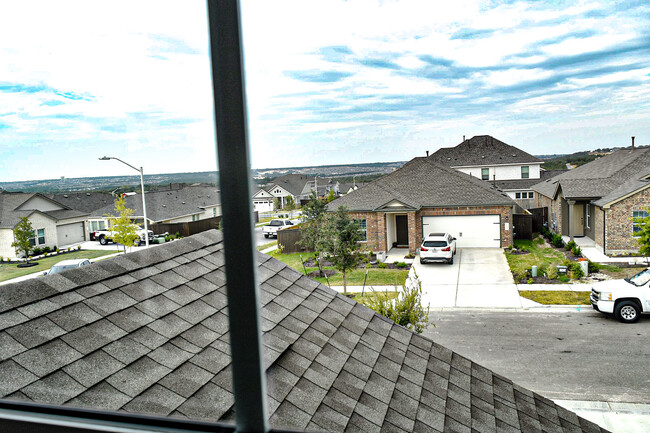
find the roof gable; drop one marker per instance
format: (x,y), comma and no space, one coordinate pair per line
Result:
(292,183)
(482,150)
(423,183)
(394,205)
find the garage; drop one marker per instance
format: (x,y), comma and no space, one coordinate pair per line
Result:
(469,230)
(70,233)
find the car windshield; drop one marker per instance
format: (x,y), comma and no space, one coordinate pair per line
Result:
(435,243)
(276,223)
(56,268)
(641,278)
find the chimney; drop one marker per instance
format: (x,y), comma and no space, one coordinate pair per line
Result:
(463,138)
(427,153)
(633,142)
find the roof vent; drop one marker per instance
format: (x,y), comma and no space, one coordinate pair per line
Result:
(88,194)
(164,205)
(483,156)
(65,195)
(182,202)
(513,155)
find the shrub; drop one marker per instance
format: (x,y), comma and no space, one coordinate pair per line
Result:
(576,270)
(593,267)
(78,247)
(530,281)
(405,310)
(570,245)
(557,241)
(382,265)
(563,279)
(576,251)
(46,250)
(368,266)
(551,271)
(410,256)
(37,251)
(401,265)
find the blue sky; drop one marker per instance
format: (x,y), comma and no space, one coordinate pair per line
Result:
(327,82)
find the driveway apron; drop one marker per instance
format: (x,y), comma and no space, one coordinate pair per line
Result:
(479,277)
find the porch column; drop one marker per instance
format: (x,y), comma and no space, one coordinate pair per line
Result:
(571,203)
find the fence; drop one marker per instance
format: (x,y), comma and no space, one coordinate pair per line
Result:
(186,228)
(540,217)
(289,239)
(523,226)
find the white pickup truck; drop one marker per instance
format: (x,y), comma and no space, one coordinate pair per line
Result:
(271,230)
(627,299)
(106,236)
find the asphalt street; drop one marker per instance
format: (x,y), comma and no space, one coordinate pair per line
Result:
(567,356)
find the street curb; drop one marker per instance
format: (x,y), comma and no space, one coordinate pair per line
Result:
(544,309)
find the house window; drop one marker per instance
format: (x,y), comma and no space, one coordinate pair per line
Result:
(531,194)
(39,237)
(525,172)
(518,195)
(636,224)
(485,173)
(554,221)
(363,230)
(588,216)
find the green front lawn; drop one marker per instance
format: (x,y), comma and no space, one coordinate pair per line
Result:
(376,276)
(556,297)
(539,255)
(9,271)
(268,245)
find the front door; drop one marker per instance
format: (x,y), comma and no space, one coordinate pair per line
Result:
(578,220)
(402,227)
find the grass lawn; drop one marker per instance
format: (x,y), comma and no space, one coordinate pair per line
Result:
(265,246)
(556,297)
(368,295)
(9,271)
(540,255)
(376,277)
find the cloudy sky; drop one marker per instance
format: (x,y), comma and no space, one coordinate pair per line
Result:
(328,82)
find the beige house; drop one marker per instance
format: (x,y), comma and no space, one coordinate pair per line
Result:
(54,223)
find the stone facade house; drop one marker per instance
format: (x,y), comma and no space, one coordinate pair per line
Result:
(423,197)
(600,199)
(509,168)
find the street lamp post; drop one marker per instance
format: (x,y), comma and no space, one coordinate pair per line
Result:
(144,204)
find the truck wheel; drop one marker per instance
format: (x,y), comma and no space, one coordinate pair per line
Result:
(627,311)
(266,235)
(102,240)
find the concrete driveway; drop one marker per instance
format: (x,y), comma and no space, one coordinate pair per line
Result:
(479,277)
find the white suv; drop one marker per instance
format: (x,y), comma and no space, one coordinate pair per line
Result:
(438,247)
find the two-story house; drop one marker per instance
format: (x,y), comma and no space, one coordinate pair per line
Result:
(510,169)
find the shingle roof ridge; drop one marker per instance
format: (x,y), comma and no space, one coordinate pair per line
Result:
(464,153)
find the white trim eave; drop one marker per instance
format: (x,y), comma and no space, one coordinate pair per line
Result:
(496,165)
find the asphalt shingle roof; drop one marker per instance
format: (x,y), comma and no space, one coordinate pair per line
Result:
(423,183)
(147,332)
(294,183)
(607,178)
(163,205)
(482,150)
(10,201)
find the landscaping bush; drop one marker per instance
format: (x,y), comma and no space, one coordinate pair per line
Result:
(37,251)
(382,265)
(576,251)
(570,245)
(401,265)
(563,279)
(551,271)
(557,241)
(576,270)
(593,267)
(46,250)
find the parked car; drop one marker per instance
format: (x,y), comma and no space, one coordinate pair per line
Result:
(627,299)
(271,230)
(438,247)
(106,236)
(67,264)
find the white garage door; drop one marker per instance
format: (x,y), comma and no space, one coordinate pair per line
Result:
(70,233)
(469,230)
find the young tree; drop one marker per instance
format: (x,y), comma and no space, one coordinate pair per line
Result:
(644,233)
(23,234)
(331,196)
(406,309)
(290,205)
(312,226)
(340,237)
(276,203)
(122,228)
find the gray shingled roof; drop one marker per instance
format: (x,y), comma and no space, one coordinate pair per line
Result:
(482,150)
(422,183)
(514,184)
(147,332)
(294,183)
(611,176)
(163,205)
(84,201)
(9,201)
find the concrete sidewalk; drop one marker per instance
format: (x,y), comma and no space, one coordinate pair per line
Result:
(613,416)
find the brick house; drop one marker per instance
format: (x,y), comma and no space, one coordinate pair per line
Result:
(423,197)
(600,199)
